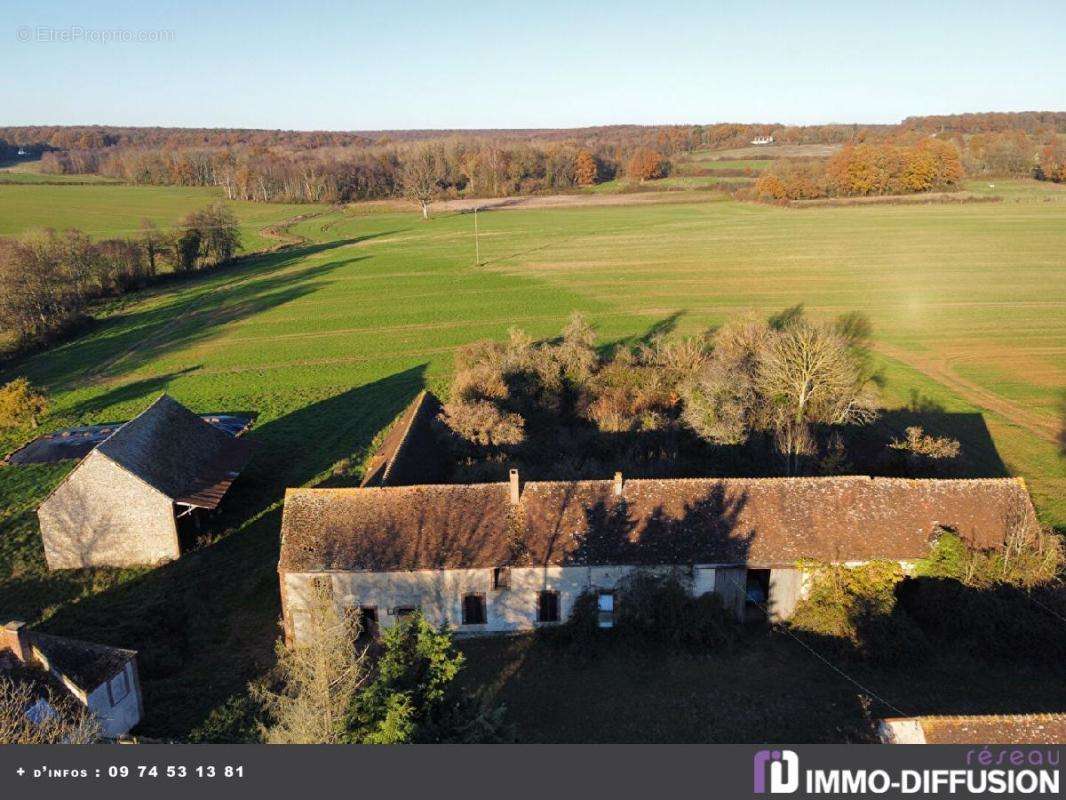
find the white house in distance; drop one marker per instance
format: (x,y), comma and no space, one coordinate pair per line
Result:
(103,679)
(759,140)
(502,557)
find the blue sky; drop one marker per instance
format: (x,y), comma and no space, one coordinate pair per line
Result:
(358,65)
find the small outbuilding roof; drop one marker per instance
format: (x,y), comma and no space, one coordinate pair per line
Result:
(85,663)
(178,453)
(762,521)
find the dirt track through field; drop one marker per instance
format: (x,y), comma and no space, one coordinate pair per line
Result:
(1036,423)
(550,201)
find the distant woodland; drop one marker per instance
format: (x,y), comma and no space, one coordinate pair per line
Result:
(340,167)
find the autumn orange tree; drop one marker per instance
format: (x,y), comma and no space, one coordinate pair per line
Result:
(878,169)
(586,169)
(1052,165)
(792,180)
(646,164)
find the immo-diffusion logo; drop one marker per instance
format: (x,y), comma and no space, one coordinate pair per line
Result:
(1014,771)
(782,767)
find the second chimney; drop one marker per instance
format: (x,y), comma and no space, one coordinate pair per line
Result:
(15,636)
(516,491)
(618,484)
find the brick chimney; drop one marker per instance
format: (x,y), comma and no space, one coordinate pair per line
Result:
(15,636)
(618,484)
(516,490)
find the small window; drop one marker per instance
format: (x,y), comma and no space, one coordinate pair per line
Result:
(118,688)
(501,578)
(605,610)
(474,609)
(404,611)
(548,606)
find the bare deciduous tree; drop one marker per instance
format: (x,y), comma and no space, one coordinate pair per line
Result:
(311,694)
(781,378)
(62,721)
(809,375)
(421,178)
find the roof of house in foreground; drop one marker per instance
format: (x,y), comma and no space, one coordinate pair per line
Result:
(86,663)
(176,452)
(759,521)
(977,729)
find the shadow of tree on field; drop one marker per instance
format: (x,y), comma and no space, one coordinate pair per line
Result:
(660,328)
(324,442)
(978,455)
(126,393)
(206,302)
(206,624)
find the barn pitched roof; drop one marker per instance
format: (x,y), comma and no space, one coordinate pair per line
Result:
(410,452)
(764,521)
(176,452)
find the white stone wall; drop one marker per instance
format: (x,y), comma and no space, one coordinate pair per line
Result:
(901,730)
(439,593)
(117,720)
(102,515)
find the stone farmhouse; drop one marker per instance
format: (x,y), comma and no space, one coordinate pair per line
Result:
(103,679)
(123,504)
(503,557)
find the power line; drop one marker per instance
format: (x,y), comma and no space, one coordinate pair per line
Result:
(819,656)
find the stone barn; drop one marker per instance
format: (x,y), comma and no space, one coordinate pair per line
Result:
(122,504)
(500,557)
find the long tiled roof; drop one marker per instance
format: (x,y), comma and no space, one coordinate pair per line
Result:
(767,521)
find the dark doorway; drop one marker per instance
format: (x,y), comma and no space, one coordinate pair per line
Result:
(757,595)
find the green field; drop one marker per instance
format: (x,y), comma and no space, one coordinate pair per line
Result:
(117,210)
(672,183)
(328,340)
(27,176)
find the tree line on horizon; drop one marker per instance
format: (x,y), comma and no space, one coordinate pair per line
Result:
(339,167)
(326,167)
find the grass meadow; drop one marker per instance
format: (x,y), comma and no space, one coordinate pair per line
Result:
(326,341)
(105,210)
